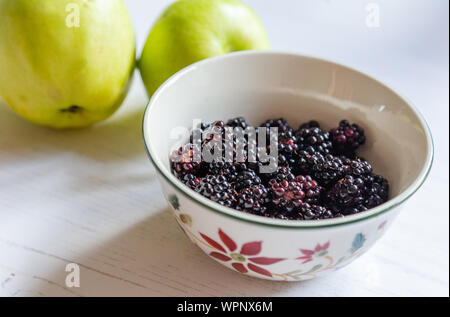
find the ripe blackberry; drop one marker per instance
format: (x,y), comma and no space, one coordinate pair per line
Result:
(347,193)
(217,135)
(377,190)
(281,124)
(287,149)
(237,122)
(183,161)
(359,167)
(281,170)
(309,125)
(246,178)
(325,169)
(314,140)
(314,212)
(347,138)
(227,169)
(218,189)
(191,180)
(253,199)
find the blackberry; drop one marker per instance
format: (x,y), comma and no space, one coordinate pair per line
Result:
(325,169)
(359,167)
(309,125)
(253,199)
(314,140)
(182,161)
(281,170)
(281,124)
(227,169)
(377,191)
(218,134)
(314,212)
(246,178)
(287,149)
(347,138)
(191,180)
(311,189)
(347,193)
(218,189)
(237,122)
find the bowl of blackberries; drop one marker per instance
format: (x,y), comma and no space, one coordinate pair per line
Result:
(282,166)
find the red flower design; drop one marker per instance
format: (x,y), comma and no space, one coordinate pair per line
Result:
(243,260)
(319,250)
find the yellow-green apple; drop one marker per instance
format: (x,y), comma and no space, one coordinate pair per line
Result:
(191,30)
(65,63)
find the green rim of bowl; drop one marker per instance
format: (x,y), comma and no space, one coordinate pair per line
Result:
(291,224)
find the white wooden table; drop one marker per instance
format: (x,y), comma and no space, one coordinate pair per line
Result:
(91,196)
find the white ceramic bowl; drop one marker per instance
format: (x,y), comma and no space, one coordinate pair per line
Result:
(262,85)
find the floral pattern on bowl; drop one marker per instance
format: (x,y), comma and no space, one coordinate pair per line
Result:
(249,257)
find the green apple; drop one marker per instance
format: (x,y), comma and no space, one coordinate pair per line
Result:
(191,30)
(65,63)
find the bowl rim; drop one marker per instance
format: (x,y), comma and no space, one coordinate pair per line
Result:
(265,221)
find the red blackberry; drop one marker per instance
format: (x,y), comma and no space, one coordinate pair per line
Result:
(253,199)
(290,192)
(314,212)
(314,140)
(347,138)
(311,189)
(216,188)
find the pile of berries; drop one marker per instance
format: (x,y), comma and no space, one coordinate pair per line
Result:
(319,174)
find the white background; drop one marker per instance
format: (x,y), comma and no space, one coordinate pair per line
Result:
(91,196)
